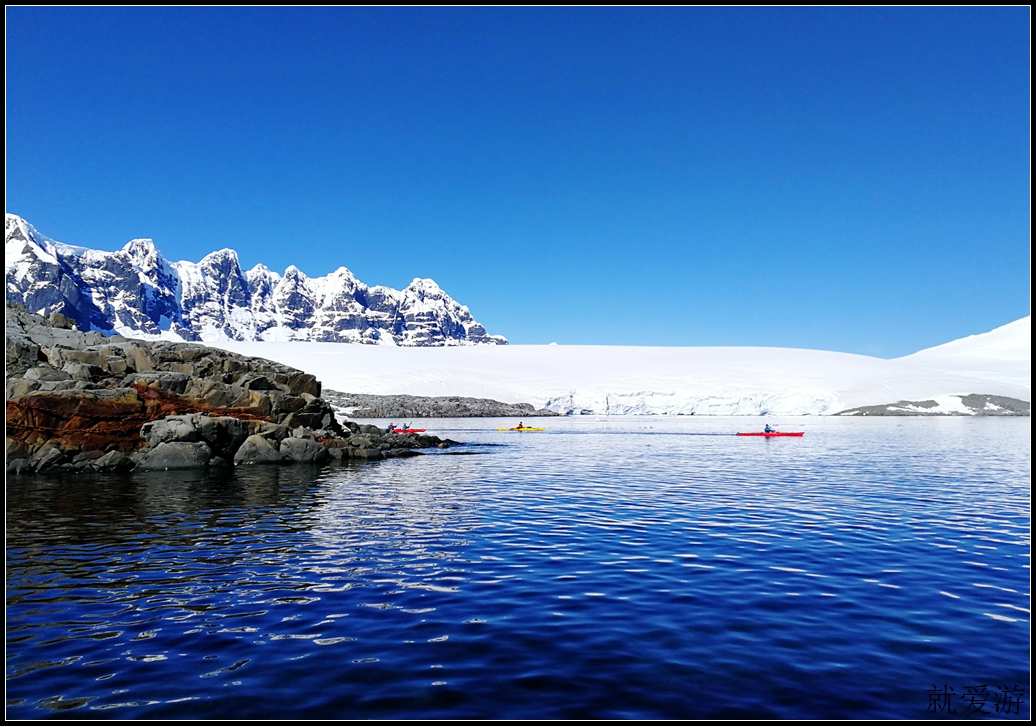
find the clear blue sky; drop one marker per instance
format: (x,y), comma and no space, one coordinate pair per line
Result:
(853,180)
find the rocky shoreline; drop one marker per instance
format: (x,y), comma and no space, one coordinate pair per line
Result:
(83,401)
(363,405)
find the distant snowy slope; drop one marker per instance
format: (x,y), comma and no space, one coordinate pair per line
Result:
(1002,354)
(635,380)
(136,292)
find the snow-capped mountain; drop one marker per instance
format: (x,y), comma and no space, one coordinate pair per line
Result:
(136,292)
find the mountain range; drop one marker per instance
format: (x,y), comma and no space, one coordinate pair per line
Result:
(136,292)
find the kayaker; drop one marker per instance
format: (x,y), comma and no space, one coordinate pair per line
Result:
(769,430)
(520,427)
(391,428)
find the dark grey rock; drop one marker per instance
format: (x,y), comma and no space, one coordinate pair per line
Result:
(171,428)
(48,456)
(59,385)
(89,357)
(304,451)
(87,456)
(83,371)
(60,321)
(167,381)
(363,442)
(112,461)
(17,450)
(20,466)
(46,373)
(17,387)
(988,405)
(273,432)
(177,455)
(257,383)
(224,434)
(257,449)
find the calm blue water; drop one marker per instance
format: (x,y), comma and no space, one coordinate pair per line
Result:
(607,568)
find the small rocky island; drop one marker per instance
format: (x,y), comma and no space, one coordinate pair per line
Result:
(83,401)
(364,405)
(972,404)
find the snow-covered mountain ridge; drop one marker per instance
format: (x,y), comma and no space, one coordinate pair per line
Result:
(136,292)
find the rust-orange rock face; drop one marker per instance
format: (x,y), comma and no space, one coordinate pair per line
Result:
(160,404)
(106,419)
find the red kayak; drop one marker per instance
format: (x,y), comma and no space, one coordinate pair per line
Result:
(408,431)
(775,433)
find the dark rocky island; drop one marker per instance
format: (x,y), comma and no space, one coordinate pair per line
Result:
(973,404)
(362,405)
(83,401)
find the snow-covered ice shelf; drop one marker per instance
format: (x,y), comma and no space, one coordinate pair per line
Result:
(624,380)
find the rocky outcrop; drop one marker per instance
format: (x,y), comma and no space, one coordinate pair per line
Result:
(973,404)
(85,401)
(135,291)
(361,405)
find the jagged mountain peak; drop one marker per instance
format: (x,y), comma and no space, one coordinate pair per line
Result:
(225,258)
(342,273)
(15,225)
(136,292)
(140,245)
(261,272)
(20,238)
(143,253)
(424,285)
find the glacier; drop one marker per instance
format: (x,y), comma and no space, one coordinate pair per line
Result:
(136,292)
(634,380)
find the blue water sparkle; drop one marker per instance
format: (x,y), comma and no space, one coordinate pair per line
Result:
(606,568)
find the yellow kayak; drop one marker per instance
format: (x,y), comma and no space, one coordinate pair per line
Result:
(525,428)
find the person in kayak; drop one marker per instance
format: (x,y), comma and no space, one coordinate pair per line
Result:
(391,427)
(769,430)
(519,426)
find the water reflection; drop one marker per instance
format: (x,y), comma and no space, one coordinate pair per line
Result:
(581,574)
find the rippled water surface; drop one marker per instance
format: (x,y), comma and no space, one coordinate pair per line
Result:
(622,568)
